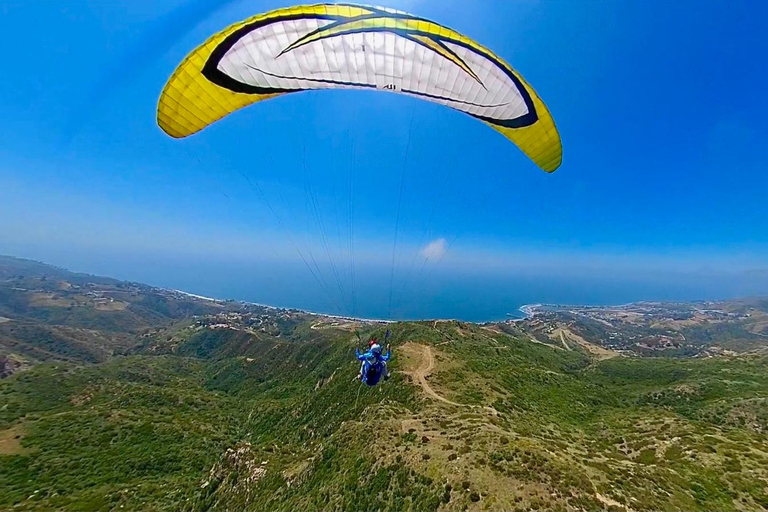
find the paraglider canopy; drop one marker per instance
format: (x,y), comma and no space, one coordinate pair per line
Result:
(332,46)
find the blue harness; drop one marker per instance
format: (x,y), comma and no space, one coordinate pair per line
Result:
(372,371)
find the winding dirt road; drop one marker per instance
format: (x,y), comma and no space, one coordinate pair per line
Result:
(420,374)
(424,370)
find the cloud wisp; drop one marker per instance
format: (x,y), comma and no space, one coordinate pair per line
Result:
(434,250)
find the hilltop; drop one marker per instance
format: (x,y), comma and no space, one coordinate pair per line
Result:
(122,395)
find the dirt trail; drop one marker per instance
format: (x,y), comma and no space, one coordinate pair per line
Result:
(599,353)
(420,374)
(424,370)
(534,340)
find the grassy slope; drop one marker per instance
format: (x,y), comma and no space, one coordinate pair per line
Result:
(540,428)
(51,314)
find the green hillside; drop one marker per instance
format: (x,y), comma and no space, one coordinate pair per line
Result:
(259,410)
(50,314)
(285,428)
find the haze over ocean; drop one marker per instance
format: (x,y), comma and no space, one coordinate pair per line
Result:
(483,295)
(661,195)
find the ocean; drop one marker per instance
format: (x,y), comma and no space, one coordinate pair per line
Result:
(446,294)
(468,295)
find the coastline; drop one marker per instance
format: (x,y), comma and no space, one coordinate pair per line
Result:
(528,311)
(267,306)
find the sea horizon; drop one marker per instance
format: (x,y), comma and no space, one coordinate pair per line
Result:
(448,295)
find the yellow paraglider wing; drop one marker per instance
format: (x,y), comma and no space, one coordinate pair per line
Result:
(355,47)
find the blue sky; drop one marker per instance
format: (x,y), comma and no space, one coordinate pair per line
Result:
(661,107)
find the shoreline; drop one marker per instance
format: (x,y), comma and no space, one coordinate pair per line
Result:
(528,311)
(267,306)
(524,309)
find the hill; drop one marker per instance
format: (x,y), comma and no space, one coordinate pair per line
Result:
(49,314)
(656,328)
(207,405)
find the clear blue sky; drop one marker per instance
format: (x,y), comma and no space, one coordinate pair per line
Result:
(661,107)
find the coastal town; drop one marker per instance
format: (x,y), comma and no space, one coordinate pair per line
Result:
(697,329)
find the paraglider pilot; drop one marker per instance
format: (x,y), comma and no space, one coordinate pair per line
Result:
(374,364)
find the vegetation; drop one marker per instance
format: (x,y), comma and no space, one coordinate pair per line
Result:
(261,411)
